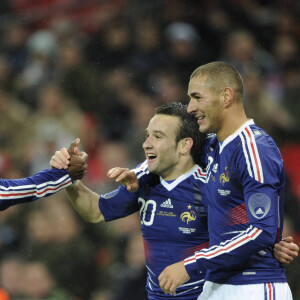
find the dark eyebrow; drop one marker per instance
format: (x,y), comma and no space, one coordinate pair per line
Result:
(155,131)
(194,94)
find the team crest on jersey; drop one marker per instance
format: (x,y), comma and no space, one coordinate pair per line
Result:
(188,216)
(224,177)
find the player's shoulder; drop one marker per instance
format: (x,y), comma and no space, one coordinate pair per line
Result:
(263,141)
(197,175)
(250,134)
(256,143)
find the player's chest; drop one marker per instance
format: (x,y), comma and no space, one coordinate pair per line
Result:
(170,215)
(222,182)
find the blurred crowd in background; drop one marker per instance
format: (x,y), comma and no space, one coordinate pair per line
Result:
(96,69)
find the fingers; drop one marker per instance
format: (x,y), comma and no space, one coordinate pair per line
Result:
(78,170)
(288,239)
(60,159)
(125,176)
(78,165)
(281,256)
(289,246)
(119,174)
(133,187)
(172,289)
(286,251)
(163,283)
(73,148)
(172,277)
(84,156)
(115,172)
(167,284)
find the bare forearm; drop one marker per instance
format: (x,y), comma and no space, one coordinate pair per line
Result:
(86,202)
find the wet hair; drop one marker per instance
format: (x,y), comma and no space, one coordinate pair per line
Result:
(188,126)
(220,75)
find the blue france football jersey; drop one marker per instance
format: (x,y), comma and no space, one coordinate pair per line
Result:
(173,223)
(42,184)
(245,181)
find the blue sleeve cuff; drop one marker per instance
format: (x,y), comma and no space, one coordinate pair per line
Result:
(191,267)
(194,267)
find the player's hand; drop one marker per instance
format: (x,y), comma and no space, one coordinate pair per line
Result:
(124,176)
(172,277)
(286,250)
(71,159)
(61,158)
(78,165)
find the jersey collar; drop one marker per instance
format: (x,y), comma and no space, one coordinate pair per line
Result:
(174,183)
(235,134)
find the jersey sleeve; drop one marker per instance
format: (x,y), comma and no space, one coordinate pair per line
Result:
(259,168)
(263,179)
(42,184)
(118,203)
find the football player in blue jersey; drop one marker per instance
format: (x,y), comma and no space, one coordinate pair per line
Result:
(244,190)
(172,212)
(44,183)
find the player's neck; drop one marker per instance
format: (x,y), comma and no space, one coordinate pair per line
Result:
(182,167)
(231,123)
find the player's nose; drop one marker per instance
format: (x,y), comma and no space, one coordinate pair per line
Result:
(192,106)
(147,143)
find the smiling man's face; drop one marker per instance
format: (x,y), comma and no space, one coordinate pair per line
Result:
(161,150)
(204,105)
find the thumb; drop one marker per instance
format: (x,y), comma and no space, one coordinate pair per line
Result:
(84,156)
(73,145)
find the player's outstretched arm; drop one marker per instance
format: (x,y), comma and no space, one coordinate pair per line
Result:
(42,184)
(286,250)
(85,201)
(126,177)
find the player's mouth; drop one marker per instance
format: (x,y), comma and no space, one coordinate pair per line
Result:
(151,156)
(200,119)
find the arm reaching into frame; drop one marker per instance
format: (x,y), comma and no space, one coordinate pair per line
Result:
(175,275)
(42,184)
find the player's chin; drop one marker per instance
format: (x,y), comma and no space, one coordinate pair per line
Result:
(204,129)
(151,166)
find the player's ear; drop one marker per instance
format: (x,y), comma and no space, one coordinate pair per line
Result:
(228,95)
(186,145)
